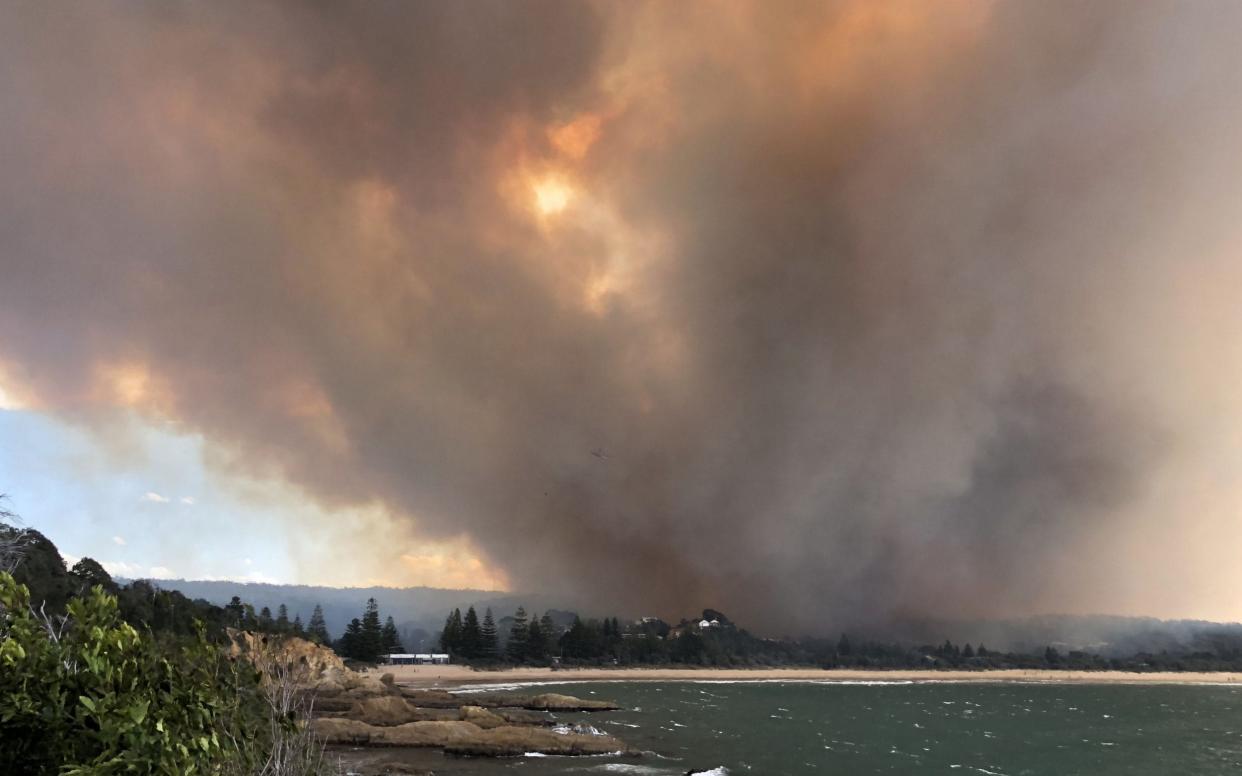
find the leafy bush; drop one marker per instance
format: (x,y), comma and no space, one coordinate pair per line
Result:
(88,695)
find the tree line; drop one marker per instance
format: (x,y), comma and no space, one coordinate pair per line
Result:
(530,639)
(243,616)
(610,641)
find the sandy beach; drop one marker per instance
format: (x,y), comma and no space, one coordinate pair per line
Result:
(449,676)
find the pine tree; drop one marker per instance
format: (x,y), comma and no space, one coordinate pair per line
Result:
(318,629)
(265,619)
(471,639)
(351,640)
(236,612)
(282,619)
(371,641)
(519,637)
(536,641)
(574,641)
(450,637)
(391,639)
(489,644)
(298,630)
(550,634)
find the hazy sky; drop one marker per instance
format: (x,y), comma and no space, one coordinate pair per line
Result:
(811,312)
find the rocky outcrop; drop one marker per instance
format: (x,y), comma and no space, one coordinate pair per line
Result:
(512,741)
(432,699)
(554,702)
(389,710)
(340,681)
(482,717)
(311,661)
(359,710)
(544,702)
(356,733)
(465,738)
(523,717)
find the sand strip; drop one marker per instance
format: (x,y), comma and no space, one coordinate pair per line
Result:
(456,676)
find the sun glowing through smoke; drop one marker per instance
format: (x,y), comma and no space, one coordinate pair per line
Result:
(552,196)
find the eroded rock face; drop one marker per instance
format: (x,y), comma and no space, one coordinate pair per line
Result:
(312,660)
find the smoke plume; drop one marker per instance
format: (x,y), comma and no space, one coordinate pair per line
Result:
(819,313)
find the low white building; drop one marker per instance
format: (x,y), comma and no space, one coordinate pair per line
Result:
(421,658)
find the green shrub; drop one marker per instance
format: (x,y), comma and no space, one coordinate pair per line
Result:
(92,696)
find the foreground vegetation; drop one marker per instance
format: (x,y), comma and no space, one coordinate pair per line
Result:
(87,693)
(96,679)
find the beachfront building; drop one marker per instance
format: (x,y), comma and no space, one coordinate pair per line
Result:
(422,658)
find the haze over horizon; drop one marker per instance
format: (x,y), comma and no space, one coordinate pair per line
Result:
(843,311)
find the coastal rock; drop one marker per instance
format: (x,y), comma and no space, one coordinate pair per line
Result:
(338,730)
(482,717)
(354,732)
(432,699)
(384,710)
(524,717)
(390,710)
(555,702)
(337,675)
(329,687)
(464,738)
(330,704)
(514,741)
(361,686)
(544,702)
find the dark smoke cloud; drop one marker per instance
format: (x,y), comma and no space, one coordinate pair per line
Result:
(873,310)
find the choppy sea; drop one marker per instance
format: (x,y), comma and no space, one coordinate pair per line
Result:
(1001,729)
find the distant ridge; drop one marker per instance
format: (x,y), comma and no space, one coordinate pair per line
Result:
(415,609)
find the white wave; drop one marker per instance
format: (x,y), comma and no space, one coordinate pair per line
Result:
(580,728)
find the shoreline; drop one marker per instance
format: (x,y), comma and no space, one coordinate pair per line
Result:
(455,676)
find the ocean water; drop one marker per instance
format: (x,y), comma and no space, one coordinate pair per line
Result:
(780,728)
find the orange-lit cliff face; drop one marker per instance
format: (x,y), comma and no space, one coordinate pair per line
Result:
(874,309)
